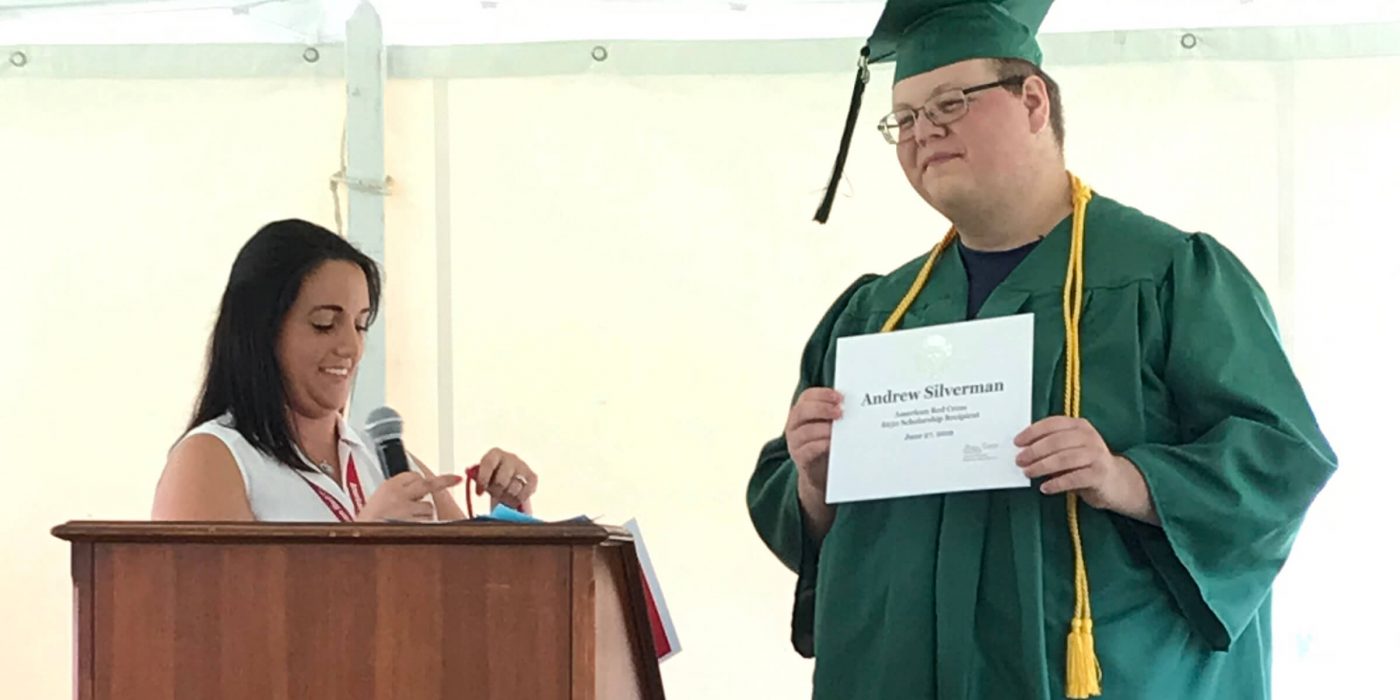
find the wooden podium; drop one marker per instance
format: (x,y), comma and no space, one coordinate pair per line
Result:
(264,611)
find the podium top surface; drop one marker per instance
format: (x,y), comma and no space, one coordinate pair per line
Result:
(478,532)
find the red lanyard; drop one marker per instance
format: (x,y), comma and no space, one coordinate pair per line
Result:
(473,474)
(352,484)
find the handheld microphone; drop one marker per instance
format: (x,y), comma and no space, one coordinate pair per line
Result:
(385,428)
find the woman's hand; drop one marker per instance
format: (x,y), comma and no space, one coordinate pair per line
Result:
(404,497)
(507,478)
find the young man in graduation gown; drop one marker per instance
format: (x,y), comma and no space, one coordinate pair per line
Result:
(1172,454)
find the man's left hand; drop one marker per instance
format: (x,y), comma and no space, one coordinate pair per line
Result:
(1072,453)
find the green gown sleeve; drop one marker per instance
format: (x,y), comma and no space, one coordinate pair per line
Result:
(1233,486)
(772,491)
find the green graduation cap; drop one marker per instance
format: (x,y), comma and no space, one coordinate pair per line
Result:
(921,35)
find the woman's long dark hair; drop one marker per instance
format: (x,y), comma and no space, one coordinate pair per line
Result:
(243,377)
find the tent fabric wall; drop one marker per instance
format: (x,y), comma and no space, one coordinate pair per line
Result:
(118,240)
(634,271)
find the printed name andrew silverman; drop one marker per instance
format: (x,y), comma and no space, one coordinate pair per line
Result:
(932,391)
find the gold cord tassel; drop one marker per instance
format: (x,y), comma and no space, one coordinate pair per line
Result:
(1083,675)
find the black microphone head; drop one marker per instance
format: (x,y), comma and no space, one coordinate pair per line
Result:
(383,424)
(385,429)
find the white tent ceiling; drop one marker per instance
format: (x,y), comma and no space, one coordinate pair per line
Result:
(463,22)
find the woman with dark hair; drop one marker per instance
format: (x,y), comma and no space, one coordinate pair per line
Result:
(268,439)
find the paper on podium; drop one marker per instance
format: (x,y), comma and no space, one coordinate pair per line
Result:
(663,630)
(502,514)
(505,513)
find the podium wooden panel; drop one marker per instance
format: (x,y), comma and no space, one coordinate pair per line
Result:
(264,611)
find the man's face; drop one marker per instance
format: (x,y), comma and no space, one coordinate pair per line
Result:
(979,152)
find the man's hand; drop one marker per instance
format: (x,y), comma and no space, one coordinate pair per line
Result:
(1074,457)
(808,436)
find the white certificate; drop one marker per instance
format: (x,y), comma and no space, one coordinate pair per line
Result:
(931,410)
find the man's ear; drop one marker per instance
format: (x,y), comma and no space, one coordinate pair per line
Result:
(1035,95)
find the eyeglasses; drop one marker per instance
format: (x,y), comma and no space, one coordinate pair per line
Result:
(942,109)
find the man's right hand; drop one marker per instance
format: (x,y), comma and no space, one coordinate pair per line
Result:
(808,437)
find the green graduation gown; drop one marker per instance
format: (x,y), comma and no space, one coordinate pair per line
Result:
(970,595)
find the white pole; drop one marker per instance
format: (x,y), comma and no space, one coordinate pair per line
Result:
(365,179)
(442,149)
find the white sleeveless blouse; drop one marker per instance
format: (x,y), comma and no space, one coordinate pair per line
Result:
(276,492)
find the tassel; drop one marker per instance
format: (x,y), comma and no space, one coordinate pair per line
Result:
(862,77)
(1083,675)
(1082,672)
